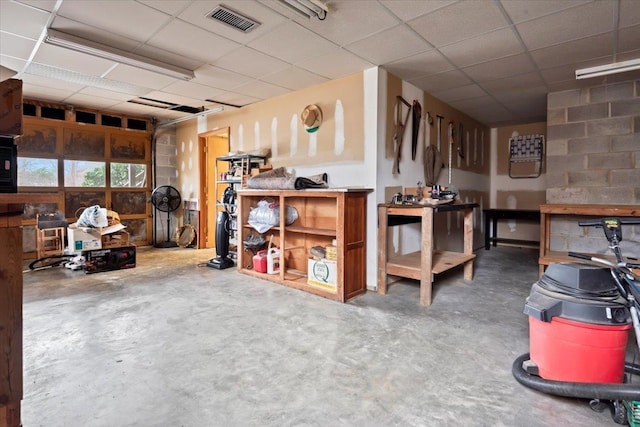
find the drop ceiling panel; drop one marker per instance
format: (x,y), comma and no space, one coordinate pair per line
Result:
(460,92)
(629,38)
(22,20)
(474,103)
(44,92)
(335,64)
(458,22)
(525,10)
(442,81)
(235,98)
(192,41)
(196,14)
(136,76)
(292,43)
(494,114)
(294,78)
(219,78)
(45,5)
(41,81)
(514,83)
(175,99)
(500,68)
(572,52)
(422,64)
(192,90)
(356,20)
(485,47)
(11,63)
(71,60)
(170,7)
(629,13)
(88,101)
(389,45)
(123,19)
(88,32)
(571,24)
(101,93)
(250,62)
(16,46)
(410,9)
(261,90)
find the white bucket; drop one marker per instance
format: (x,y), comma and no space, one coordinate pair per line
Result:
(273,260)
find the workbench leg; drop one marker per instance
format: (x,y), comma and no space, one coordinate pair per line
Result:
(468,243)
(487,236)
(382,250)
(10,415)
(426,277)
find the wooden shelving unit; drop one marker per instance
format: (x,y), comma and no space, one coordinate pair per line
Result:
(323,215)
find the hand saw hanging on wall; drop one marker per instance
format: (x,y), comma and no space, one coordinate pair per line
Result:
(399,132)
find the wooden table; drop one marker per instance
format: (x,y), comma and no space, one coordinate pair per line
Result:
(547,256)
(491,217)
(424,264)
(11,208)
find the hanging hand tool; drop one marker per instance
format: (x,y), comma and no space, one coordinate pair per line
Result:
(439,131)
(399,133)
(415,127)
(460,141)
(450,149)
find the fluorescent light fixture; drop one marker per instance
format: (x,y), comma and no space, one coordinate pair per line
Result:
(58,38)
(308,8)
(605,70)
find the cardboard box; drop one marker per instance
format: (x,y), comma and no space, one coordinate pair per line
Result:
(323,273)
(115,240)
(83,239)
(11,107)
(101,260)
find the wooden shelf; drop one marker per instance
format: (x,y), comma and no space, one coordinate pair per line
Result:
(311,230)
(410,265)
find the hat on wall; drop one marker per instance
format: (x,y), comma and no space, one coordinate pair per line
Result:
(311,118)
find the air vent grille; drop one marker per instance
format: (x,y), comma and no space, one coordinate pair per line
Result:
(233,19)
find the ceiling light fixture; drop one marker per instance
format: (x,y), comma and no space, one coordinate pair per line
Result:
(308,8)
(605,70)
(67,41)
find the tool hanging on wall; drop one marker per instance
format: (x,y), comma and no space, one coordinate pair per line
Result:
(432,157)
(399,132)
(460,140)
(450,150)
(415,127)
(439,131)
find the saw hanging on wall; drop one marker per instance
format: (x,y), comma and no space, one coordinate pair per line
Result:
(415,127)
(399,132)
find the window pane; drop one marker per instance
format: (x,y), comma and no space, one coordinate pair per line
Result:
(37,172)
(79,173)
(128,175)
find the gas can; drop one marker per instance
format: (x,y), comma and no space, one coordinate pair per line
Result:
(273,260)
(260,261)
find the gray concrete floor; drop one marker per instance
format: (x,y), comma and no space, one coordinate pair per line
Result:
(171,343)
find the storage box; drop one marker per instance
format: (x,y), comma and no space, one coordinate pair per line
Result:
(83,239)
(322,273)
(110,259)
(115,240)
(11,107)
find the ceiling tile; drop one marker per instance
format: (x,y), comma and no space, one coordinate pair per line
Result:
(571,24)
(136,76)
(574,51)
(335,64)
(442,81)
(189,40)
(50,82)
(629,13)
(525,10)
(219,78)
(492,115)
(292,43)
(196,14)
(250,62)
(44,92)
(514,83)
(139,109)
(352,20)
(485,47)
(82,100)
(88,32)
(629,38)
(102,93)
(389,45)
(22,20)
(123,20)
(192,90)
(16,46)
(460,92)
(426,63)
(485,101)
(411,9)
(46,5)
(294,78)
(11,63)
(458,22)
(500,68)
(72,60)
(170,7)
(175,98)
(235,99)
(262,90)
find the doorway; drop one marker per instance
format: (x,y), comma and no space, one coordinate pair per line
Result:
(212,144)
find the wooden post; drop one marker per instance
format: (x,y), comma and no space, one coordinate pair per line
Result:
(382,250)
(426,251)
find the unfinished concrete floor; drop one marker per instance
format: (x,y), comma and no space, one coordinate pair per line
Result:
(173,344)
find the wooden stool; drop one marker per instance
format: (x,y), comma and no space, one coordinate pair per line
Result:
(49,241)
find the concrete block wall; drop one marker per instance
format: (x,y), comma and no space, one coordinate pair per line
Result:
(593,157)
(165,174)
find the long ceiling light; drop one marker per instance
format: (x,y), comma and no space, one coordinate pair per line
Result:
(605,70)
(58,38)
(308,8)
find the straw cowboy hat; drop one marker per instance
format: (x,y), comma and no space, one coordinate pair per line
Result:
(311,118)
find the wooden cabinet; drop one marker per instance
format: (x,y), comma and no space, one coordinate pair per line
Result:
(322,216)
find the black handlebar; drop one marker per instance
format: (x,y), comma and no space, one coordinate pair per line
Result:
(600,222)
(581,256)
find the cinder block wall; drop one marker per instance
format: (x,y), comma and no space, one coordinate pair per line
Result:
(593,157)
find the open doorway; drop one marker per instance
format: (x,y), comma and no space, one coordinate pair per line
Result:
(212,144)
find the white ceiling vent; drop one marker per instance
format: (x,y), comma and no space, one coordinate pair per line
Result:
(233,19)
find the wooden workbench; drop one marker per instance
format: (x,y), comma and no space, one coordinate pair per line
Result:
(547,256)
(424,264)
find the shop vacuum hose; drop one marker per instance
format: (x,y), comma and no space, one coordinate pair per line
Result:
(603,391)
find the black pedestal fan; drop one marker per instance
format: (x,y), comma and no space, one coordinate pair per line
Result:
(166,199)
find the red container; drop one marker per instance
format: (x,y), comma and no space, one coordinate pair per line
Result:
(260,262)
(566,350)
